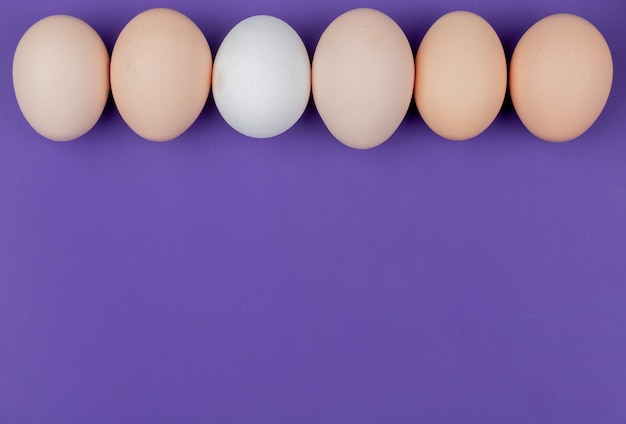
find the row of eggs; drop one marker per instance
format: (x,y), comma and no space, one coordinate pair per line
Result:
(363,76)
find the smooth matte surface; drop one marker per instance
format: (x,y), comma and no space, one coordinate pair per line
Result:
(217,278)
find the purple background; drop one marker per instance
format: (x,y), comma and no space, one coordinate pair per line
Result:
(217,278)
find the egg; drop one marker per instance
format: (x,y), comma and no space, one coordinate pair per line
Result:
(461,76)
(261,77)
(560,77)
(160,73)
(61,77)
(362,77)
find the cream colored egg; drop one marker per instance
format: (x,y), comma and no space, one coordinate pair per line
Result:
(362,77)
(61,77)
(160,73)
(461,76)
(560,77)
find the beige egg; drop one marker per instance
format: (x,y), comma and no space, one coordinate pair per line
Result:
(460,78)
(560,77)
(362,77)
(61,77)
(160,73)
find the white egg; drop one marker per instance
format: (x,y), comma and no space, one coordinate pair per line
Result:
(261,77)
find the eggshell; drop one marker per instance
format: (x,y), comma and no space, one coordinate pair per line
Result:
(362,77)
(61,77)
(460,78)
(560,77)
(261,77)
(160,73)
